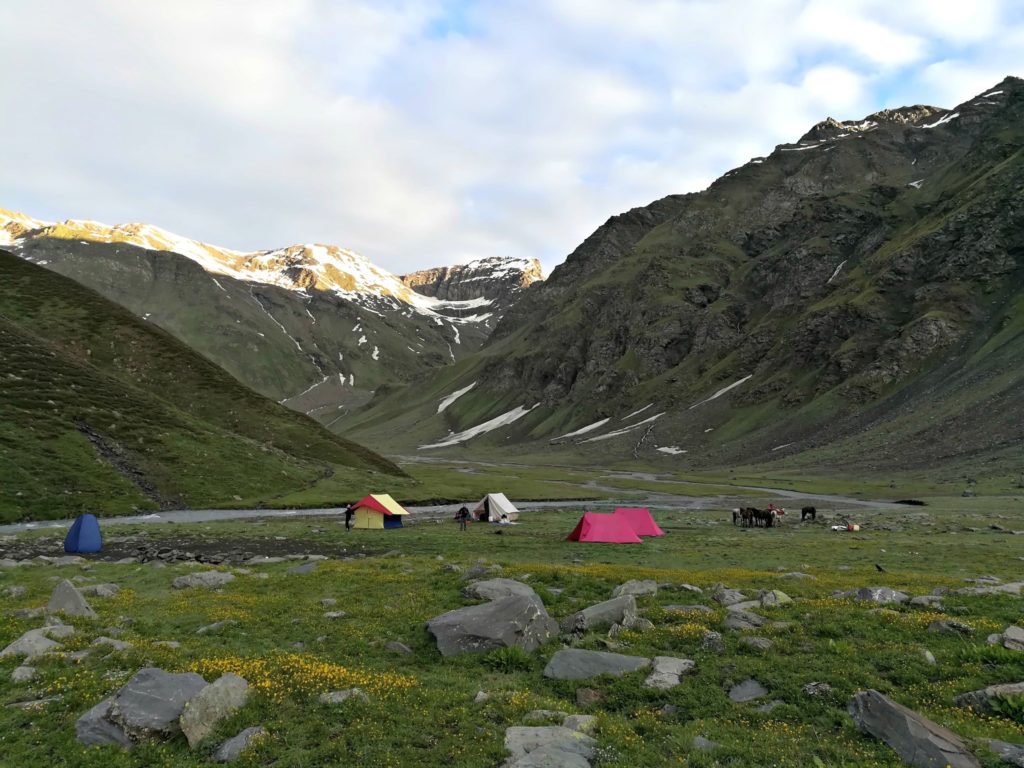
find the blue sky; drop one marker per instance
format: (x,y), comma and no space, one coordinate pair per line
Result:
(423,133)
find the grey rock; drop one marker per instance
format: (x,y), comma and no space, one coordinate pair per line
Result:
(916,739)
(691,588)
(214,628)
(226,695)
(100,590)
(117,645)
(328,602)
(981,700)
(725,596)
(702,744)
(1011,588)
(207,579)
(28,613)
(817,689)
(745,605)
(1013,754)
(581,723)
(712,641)
(151,703)
(1013,638)
(396,647)
(577,664)
(481,697)
(233,748)
(335,615)
(24,674)
(926,601)
(94,728)
(495,589)
(748,690)
(302,570)
(741,620)
(14,592)
(33,643)
(880,595)
(515,621)
(770,597)
(172,644)
(67,600)
(618,610)
(545,714)
(548,747)
(950,627)
(666,672)
(928,656)
(337,697)
(757,643)
(640,625)
(636,587)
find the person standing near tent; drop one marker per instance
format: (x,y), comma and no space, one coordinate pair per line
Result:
(348,517)
(463,517)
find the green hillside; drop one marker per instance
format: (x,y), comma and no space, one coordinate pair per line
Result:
(102,412)
(852,301)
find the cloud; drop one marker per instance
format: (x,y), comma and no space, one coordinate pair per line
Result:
(427,132)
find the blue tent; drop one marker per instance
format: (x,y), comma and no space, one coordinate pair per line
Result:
(84,535)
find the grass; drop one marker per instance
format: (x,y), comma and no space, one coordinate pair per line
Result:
(421,708)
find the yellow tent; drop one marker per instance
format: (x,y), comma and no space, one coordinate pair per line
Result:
(378,510)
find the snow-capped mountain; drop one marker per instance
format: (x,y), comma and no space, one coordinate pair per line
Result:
(316,326)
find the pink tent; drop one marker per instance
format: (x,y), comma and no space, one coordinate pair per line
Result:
(608,529)
(639,518)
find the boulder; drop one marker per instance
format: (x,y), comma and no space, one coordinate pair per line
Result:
(636,587)
(981,700)
(748,690)
(208,579)
(712,641)
(1012,754)
(226,695)
(618,610)
(741,620)
(495,589)
(100,590)
(515,621)
(548,747)
(581,723)
(577,664)
(756,643)
(151,703)
(916,739)
(94,728)
(337,697)
(35,643)
(950,627)
(1013,638)
(117,645)
(926,601)
(769,597)
(14,592)
(817,690)
(233,748)
(24,674)
(879,595)
(67,600)
(666,672)
(725,596)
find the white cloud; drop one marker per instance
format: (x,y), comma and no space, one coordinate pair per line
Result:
(513,129)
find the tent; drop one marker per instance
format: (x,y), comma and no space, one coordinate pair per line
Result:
(84,535)
(641,521)
(497,504)
(606,528)
(378,510)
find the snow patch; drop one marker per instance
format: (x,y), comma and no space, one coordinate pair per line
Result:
(307,389)
(584,430)
(990,93)
(916,184)
(488,426)
(453,397)
(624,430)
(943,120)
(836,273)
(674,450)
(721,392)
(780,447)
(636,413)
(362,340)
(376,353)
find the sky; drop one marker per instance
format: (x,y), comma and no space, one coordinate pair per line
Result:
(422,133)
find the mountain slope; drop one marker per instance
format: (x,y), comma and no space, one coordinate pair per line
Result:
(316,327)
(100,411)
(851,298)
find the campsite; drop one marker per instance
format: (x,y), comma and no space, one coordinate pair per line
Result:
(307,612)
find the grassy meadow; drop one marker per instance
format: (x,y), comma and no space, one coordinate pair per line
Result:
(421,708)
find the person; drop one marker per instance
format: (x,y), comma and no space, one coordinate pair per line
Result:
(349,511)
(504,520)
(463,517)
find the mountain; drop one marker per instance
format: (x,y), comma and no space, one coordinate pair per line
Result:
(499,280)
(316,327)
(101,411)
(855,299)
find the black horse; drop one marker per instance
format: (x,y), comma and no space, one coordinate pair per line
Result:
(810,512)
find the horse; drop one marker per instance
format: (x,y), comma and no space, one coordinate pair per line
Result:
(744,516)
(810,512)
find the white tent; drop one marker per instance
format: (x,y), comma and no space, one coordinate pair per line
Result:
(497,504)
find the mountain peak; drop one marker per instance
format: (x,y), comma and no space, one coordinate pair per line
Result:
(830,128)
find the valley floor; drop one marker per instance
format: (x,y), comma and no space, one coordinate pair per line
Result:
(422,708)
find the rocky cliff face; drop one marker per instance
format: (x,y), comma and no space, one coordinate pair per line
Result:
(498,279)
(831,292)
